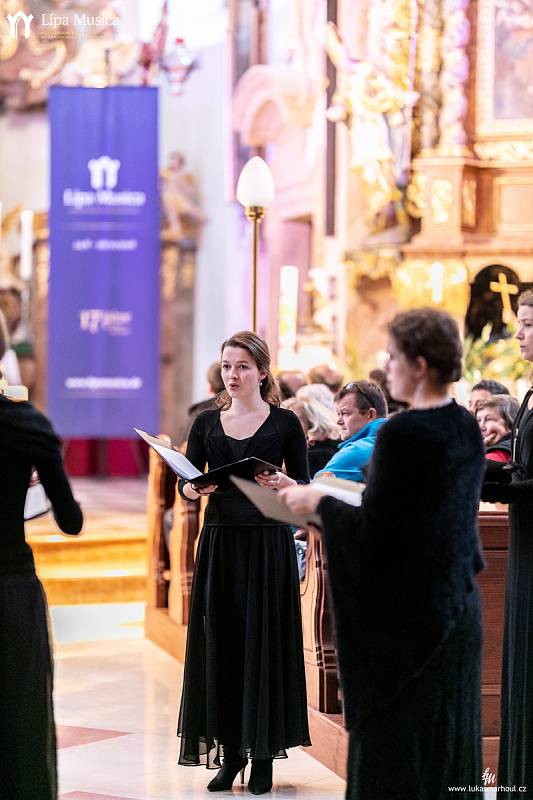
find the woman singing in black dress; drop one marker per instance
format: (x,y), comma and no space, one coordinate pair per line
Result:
(244,683)
(402,571)
(516,488)
(27,731)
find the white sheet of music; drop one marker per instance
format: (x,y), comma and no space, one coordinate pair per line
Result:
(348,491)
(176,461)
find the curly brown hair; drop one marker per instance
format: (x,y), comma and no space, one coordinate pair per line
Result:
(257,348)
(526,298)
(434,335)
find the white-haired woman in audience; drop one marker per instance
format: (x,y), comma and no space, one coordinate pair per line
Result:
(320,427)
(320,392)
(495,416)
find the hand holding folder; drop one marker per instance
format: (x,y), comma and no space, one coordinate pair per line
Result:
(272,507)
(181,466)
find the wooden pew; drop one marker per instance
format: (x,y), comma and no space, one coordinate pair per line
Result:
(170,578)
(170,568)
(494,533)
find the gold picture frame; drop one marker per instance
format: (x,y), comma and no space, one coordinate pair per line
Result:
(504,101)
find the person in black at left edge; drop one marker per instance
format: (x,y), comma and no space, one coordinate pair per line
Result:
(27,730)
(244,680)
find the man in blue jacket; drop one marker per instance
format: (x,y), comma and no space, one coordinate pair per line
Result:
(361,411)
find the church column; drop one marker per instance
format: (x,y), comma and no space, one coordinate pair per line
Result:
(428,64)
(454,74)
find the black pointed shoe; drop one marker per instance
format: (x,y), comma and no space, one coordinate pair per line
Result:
(223,780)
(261,776)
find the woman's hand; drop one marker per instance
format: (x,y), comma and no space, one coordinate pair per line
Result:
(301,499)
(193,492)
(276,480)
(490,438)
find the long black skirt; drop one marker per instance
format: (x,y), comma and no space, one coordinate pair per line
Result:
(27,730)
(516,728)
(244,681)
(428,739)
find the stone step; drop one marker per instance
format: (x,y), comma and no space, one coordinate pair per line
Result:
(108,562)
(111,548)
(69,586)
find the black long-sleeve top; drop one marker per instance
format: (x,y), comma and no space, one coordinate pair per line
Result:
(513,482)
(280,440)
(27,442)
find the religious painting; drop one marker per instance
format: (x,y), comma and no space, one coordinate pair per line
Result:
(504,97)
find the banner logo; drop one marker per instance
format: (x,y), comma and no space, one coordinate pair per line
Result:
(103,176)
(14,20)
(104,172)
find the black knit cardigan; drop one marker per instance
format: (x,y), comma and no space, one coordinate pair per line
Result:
(401,565)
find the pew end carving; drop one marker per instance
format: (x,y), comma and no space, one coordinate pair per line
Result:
(171,559)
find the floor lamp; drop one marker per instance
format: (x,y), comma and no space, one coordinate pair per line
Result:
(255,191)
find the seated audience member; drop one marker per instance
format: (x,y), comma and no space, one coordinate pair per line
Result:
(320,427)
(320,392)
(361,411)
(485,389)
(495,416)
(289,382)
(322,373)
(379,376)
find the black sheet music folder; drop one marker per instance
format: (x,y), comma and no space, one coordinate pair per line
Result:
(245,468)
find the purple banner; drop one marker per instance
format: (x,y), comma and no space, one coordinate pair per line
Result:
(103,326)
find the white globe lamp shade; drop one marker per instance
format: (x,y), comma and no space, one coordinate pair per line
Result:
(256,185)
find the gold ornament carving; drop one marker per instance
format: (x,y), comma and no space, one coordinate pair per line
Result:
(511,152)
(42,268)
(370,104)
(8,44)
(415,195)
(399,40)
(169,271)
(441,199)
(438,284)
(187,271)
(373,264)
(469,202)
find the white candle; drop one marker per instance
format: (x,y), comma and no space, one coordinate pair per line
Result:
(26,245)
(288,315)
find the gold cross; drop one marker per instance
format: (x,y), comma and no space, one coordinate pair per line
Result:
(506,290)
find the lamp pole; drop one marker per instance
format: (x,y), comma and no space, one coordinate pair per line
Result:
(255,214)
(255,191)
